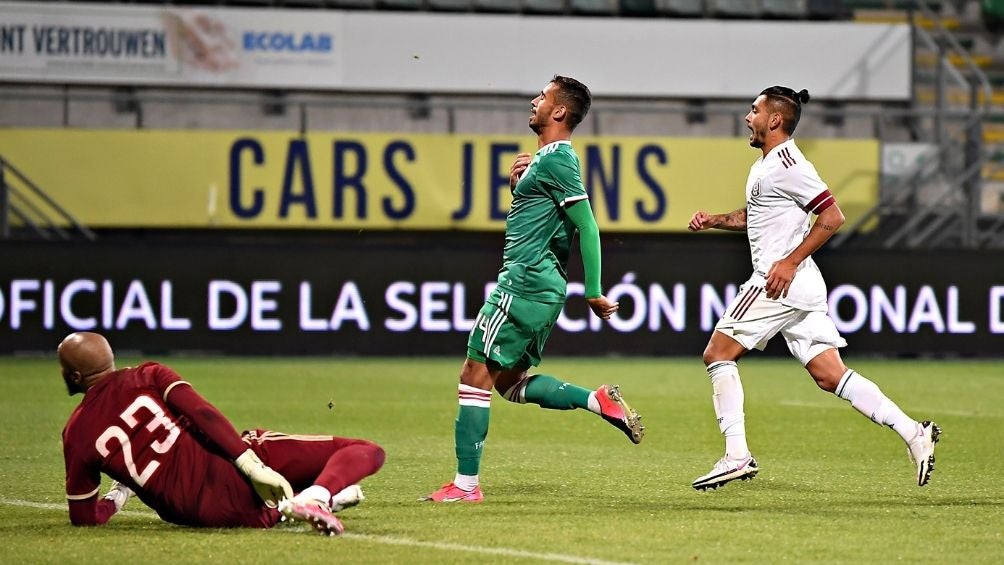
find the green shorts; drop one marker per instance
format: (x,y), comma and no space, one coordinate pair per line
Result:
(511,331)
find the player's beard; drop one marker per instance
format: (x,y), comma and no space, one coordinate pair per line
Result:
(756,141)
(535,126)
(72,387)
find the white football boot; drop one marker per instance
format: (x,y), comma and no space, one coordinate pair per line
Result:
(921,450)
(727,470)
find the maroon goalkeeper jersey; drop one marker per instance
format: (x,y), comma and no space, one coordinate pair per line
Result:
(124,428)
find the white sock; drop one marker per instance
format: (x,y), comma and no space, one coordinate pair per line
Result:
(593,404)
(466,482)
(316,492)
(866,398)
(728,400)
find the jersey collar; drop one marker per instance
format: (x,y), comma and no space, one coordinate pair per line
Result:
(553,145)
(787,143)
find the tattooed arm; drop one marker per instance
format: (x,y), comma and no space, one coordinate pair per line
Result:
(733,221)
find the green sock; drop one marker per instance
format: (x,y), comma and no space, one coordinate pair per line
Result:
(471,429)
(553,394)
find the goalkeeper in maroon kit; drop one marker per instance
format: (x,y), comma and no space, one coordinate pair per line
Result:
(156,437)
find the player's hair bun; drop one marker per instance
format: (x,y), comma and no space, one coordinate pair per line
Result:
(803,96)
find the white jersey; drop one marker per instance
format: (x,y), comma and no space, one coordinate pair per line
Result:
(783,188)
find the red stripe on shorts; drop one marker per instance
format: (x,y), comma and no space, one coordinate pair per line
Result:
(744,306)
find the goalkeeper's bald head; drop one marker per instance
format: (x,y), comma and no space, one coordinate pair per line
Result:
(85,359)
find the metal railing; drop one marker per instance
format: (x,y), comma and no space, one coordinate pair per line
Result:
(939,208)
(32,210)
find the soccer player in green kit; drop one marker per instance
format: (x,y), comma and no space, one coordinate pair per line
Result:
(549,205)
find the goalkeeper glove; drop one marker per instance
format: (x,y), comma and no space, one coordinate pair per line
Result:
(119,494)
(270,486)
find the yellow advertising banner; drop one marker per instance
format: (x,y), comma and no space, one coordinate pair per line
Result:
(266,179)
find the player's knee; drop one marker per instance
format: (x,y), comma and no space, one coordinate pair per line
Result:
(509,390)
(379,456)
(476,374)
(826,382)
(505,390)
(375,455)
(710,355)
(826,369)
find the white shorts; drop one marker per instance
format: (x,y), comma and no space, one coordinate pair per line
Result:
(752,319)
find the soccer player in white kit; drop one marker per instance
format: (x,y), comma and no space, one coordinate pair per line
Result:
(786,293)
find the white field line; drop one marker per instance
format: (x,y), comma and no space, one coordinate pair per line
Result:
(53,506)
(560,558)
(385,540)
(926,412)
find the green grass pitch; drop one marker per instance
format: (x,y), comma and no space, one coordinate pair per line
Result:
(560,487)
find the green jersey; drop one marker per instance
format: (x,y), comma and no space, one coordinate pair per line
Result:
(538,233)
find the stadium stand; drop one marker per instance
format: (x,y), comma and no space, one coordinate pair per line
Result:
(497,5)
(785,9)
(352,4)
(450,5)
(642,8)
(401,4)
(826,9)
(974,26)
(594,7)
(740,9)
(543,6)
(680,8)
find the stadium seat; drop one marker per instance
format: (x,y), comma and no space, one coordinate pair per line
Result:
(827,9)
(594,7)
(904,5)
(637,7)
(734,8)
(296,3)
(784,9)
(993,15)
(450,5)
(356,4)
(401,4)
(869,4)
(241,3)
(680,8)
(497,5)
(544,6)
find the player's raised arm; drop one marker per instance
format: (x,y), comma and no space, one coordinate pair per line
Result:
(581,214)
(183,400)
(733,221)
